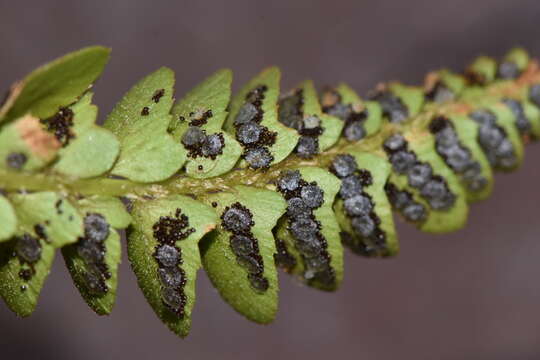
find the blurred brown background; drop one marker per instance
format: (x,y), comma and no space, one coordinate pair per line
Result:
(473,294)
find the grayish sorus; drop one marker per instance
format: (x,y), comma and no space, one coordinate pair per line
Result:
(80,259)
(222,265)
(309,232)
(142,245)
(279,140)
(204,110)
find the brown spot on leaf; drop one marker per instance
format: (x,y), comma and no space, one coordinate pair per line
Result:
(531,74)
(330,98)
(460,108)
(431,80)
(40,142)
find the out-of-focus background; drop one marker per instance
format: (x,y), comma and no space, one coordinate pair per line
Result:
(474,294)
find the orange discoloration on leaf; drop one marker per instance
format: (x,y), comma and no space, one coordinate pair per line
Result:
(329,98)
(430,81)
(460,108)
(209,228)
(42,144)
(530,75)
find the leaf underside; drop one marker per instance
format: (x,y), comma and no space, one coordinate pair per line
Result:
(242,184)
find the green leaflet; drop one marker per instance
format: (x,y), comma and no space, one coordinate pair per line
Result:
(329,230)
(211,94)
(140,120)
(411,96)
(379,170)
(7,219)
(56,84)
(519,57)
(310,107)
(21,295)
(482,70)
(25,145)
(331,125)
(93,150)
(51,222)
(221,265)
(112,208)
(205,107)
(421,142)
(373,122)
(506,119)
(206,167)
(155,217)
(117,217)
(468,134)
(85,150)
(278,141)
(443,86)
(60,221)
(532,113)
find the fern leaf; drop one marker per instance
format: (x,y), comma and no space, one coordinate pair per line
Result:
(164,254)
(140,121)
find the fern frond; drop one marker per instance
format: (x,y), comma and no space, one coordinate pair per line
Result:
(242,185)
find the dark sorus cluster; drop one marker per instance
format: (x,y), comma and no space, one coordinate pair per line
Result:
(354,116)
(508,70)
(28,249)
(403,202)
(196,141)
(254,137)
(158,94)
(309,127)
(494,141)
(458,157)
(370,240)
(238,220)
(16,160)
(198,118)
(168,231)
(534,94)
(433,188)
(303,199)
(58,207)
(200,144)
(475,78)
(522,122)
(438,92)
(60,125)
(91,249)
(392,106)
(282,257)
